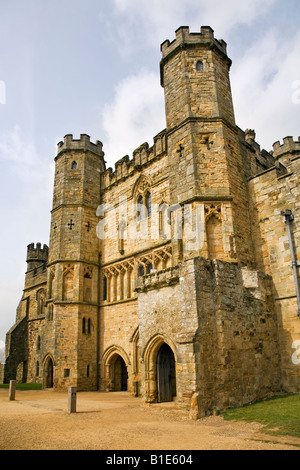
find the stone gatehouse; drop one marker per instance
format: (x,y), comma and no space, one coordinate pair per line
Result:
(170,275)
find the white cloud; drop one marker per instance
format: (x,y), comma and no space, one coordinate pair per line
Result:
(26,192)
(157,20)
(262,84)
(135,115)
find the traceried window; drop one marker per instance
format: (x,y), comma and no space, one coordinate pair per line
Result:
(143,198)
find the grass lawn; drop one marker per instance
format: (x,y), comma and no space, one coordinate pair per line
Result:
(24,386)
(279,415)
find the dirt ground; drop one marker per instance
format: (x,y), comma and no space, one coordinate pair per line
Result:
(39,420)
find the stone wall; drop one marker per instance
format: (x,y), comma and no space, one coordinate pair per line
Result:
(270,194)
(220,322)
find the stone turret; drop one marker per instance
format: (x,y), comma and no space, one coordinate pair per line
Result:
(36,255)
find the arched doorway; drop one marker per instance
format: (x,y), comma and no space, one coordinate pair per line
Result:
(166,374)
(48,373)
(120,375)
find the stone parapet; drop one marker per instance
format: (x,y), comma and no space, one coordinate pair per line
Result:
(183,36)
(288,146)
(142,156)
(84,143)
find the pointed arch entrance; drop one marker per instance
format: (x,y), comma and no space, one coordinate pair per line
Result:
(166,375)
(120,375)
(115,373)
(160,370)
(48,372)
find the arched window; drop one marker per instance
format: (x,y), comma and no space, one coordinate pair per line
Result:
(50,313)
(149,268)
(142,197)
(141,270)
(199,66)
(89,326)
(74,166)
(148,204)
(140,207)
(38,347)
(83,325)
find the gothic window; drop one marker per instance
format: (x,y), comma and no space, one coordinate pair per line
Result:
(74,166)
(142,196)
(148,204)
(86,326)
(140,208)
(122,235)
(199,66)
(149,268)
(141,271)
(50,313)
(38,346)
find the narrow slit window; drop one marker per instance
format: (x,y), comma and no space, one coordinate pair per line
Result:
(199,66)
(74,166)
(104,288)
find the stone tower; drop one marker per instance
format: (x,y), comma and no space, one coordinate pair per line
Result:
(205,164)
(73,269)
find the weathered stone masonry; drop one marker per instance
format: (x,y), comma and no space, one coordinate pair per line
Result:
(169,276)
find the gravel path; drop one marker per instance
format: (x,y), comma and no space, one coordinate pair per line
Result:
(38,420)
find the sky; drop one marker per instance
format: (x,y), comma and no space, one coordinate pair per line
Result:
(92,67)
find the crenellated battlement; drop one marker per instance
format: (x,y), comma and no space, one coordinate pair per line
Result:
(84,143)
(184,37)
(141,157)
(288,146)
(37,253)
